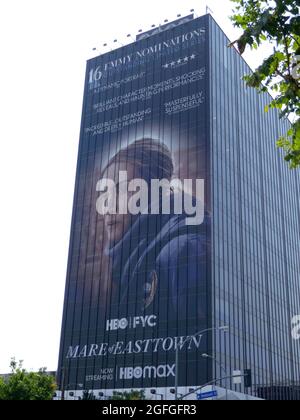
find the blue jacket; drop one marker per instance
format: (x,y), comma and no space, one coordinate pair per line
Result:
(161,267)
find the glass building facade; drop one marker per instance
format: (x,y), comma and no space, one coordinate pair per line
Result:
(256,232)
(216,244)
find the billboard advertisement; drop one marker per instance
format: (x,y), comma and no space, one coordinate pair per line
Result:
(138,281)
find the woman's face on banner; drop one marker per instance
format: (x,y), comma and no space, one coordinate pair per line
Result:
(117,225)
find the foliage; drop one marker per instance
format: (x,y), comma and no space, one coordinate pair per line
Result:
(22,385)
(2,389)
(277,22)
(126,396)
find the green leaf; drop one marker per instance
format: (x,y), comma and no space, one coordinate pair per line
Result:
(279,23)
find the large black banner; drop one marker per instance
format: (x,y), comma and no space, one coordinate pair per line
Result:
(138,282)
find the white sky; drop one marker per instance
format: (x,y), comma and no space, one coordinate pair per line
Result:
(44,48)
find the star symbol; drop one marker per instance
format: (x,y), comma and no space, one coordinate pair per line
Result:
(193,57)
(173,63)
(166,66)
(179,61)
(186,59)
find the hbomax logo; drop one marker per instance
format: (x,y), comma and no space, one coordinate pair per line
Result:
(147,372)
(131,323)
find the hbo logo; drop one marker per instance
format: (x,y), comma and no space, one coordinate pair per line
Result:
(117,324)
(162,371)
